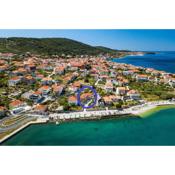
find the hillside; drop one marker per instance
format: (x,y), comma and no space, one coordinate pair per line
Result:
(51,46)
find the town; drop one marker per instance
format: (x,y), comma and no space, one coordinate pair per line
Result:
(43,85)
(35,85)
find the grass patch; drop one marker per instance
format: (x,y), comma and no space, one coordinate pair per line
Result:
(156,109)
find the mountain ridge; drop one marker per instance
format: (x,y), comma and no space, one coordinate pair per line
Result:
(51,46)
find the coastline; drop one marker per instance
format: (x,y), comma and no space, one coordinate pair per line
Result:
(133,54)
(141,111)
(155,109)
(11,134)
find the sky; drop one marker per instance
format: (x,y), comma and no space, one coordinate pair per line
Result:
(140,40)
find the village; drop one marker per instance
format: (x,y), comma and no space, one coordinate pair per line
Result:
(40,86)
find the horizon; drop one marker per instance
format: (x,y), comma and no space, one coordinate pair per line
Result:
(118,39)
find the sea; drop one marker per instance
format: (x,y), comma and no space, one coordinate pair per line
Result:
(164,61)
(156,129)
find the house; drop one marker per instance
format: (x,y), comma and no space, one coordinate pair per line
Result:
(128,72)
(20,72)
(107,100)
(155,73)
(109,86)
(104,77)
(112,74)
(2,111)
(141,77)
(6,55)
(60,70)
(70,78)
(2,62)
(48,67)
(86,96)
(46,81)
(35,96)
(57,89)
(45,90)
(172,82)
(114,82)
(111,98)
(3,68)
(27,95)
(115,98)
(72,89)
(40,109)
(121,90)
(30,67)
(74,65)
(75,86)
(17,106)
(14,81)
(134,95)
(29,79)
(72,100)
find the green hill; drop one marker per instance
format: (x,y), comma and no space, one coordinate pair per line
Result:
(51,46)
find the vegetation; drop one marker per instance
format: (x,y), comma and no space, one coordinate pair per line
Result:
(50,46)
(152,91)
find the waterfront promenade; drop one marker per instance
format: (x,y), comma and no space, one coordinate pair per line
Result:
(134,110)
(81,115)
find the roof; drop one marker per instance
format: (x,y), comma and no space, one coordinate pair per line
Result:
(60,68)
(85,95)
(16,103)
(121,88)
(77,84)
(47,79)
(44,88)
(29,77)
(57,87)
(2,108)
(72,98)
(132,92)
(37,93)
(40,107)
(4,67)
(39,75)
(109,84)
(15,78)
(107,99)
(142,76)
(21,70)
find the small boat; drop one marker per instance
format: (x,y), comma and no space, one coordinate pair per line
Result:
(57,123)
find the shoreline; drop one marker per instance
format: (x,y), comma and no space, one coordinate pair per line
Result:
(141,111)
(121,57)
(13,133)
(156,109)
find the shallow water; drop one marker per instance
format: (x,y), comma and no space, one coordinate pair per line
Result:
(157,129)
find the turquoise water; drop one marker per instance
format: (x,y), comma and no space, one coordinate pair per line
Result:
(161,61)
(157,129)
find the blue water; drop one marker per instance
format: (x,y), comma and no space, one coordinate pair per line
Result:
(157,129)
(164,61)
